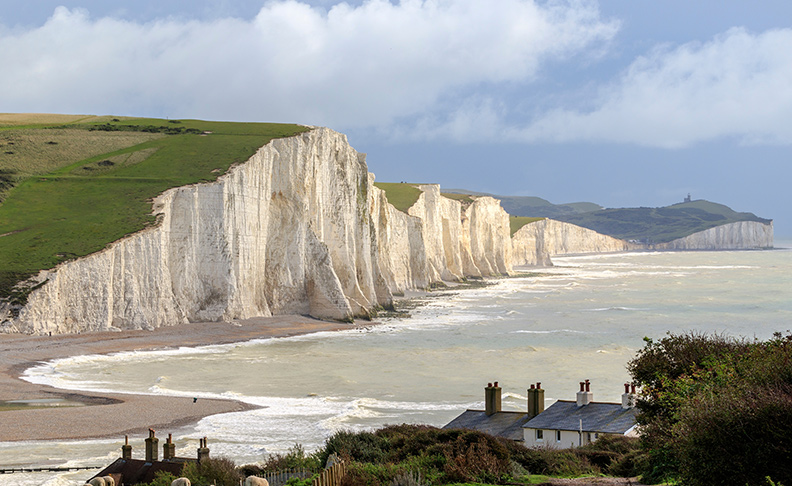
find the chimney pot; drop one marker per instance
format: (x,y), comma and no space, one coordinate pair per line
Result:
(151,447)
(582,386)
(633,389)
(489,385)
(588,389)
(532,387)
(538,385)
(492,399)
(626,388)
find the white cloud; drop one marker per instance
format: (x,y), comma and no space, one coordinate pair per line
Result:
(737,85)
(349,66)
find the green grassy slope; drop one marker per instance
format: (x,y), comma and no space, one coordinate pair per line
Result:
(660,225)
(401,195)
(67,208)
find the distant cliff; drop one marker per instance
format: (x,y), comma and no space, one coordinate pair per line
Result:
(298,229)
(535,243)
(743,235)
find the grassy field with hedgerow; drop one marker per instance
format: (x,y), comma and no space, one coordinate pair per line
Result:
(70,185)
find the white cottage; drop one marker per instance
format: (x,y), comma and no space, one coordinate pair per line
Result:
(569,423)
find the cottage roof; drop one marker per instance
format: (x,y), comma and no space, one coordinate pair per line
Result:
(609,418)
(500,424)
(134,471)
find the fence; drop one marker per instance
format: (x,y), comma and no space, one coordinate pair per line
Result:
(331,476)
(279,478)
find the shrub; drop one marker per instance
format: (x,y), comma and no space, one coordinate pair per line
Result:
(355,446)
(162,478)
(716,410)
(216,471)
(294,458)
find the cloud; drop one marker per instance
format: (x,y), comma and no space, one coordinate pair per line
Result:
(346,66)
(738,85)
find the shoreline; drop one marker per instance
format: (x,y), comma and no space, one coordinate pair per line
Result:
(106,415)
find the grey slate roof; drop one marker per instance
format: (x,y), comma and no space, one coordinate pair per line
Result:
(500,424)
(609,418)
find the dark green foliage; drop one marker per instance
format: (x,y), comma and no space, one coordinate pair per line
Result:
(162,478)
(356,446)
(716,410)
(216,471)
(294,458)
(107,127)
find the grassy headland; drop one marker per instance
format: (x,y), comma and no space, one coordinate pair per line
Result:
(401,195)
(660,225)
(70,188)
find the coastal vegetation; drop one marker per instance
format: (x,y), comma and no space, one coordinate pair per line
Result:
(716,410)
(72,185)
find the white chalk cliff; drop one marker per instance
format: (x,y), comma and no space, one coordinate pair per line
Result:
(297,229)
(536,242)
(300,228)
(743,235)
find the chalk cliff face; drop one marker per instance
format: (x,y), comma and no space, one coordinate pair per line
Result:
(536,242)
(286,232)
(298,229)
(743,235)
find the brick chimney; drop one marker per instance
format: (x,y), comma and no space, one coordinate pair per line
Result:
(168,449)
(126,449)
(203,451)
(492,399)
(535,400)
(584,396)
(151,447)
(628,397)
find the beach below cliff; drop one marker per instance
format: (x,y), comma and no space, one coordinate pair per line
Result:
(30,411)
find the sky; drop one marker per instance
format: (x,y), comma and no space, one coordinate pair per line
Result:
(624,103)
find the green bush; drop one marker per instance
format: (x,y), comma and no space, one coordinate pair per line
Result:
(162,478)
(294,458)
(215,471)
(716,410)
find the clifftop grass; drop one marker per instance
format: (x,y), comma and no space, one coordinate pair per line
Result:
(517,222)
(401,195)
(95,184)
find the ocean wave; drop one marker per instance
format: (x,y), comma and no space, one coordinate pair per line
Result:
(616,308)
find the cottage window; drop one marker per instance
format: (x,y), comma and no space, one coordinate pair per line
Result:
(539,435)
(558,436)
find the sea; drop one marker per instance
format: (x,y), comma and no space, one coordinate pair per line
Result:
(583,318)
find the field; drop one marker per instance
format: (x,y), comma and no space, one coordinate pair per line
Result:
(73,188)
